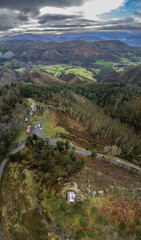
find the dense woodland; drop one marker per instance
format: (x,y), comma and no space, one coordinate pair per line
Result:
(10,120)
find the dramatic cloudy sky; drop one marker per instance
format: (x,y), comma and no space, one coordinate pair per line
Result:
(59,16)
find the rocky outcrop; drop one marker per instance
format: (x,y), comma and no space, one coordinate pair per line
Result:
(7,55)
(51,52)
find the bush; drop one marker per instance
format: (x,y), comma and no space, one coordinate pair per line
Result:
(93,154)
(80,163)
(78,235)
(35,137)
(15,157)
(29,141)
(60,145)
(40,143)
(127,156)
(72,156)
(44,165)
(86,202)
(83,222)
(101,219)
(67,145)
(2,151)
(94,211)
(122,227)
(34,166)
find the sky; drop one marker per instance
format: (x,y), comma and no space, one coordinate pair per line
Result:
(63,16)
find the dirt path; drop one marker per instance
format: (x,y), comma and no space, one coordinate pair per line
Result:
(38,131)
(60,234)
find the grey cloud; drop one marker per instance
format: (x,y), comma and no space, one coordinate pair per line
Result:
(137,13)
(22,17)
(67,26)
(22,4)
(54,17)
(115,22)
(10,19)
(33,12)
(136,27)
(7,20)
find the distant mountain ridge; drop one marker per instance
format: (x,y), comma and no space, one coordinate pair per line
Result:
(73,52)
(132,39)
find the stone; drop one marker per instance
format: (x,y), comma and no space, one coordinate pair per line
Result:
(99,174)
(101,192)
(94,194)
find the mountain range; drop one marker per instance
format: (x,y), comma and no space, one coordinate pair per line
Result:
(76,52)
(132,39)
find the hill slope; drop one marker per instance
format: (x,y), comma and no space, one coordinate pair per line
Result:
(132,75)
(7,76)
(72,78)
(42,78)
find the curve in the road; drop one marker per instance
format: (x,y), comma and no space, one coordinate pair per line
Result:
(39,132)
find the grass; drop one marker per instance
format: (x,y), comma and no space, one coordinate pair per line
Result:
(104,63)
(20,217)
(20,137)
(21,69)
(55,70)
(58,70)
(50,127)
(82,72)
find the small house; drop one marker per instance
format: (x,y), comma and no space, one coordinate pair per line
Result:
(71,196)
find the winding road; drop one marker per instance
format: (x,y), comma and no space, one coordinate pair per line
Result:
(39,132)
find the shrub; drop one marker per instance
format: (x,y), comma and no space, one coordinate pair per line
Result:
(122,227)
(60,145)
(2,150)
(15,157)
(67,145)
(29,141)
(78,235)
(72,156)
(94,211)
(86,202)
(127,156)
(34,166)
(101,219)
(80,163)
(83,222)
(93,154)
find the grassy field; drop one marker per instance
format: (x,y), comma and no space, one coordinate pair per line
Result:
(21,69)
(104,63)
(58,70)
(50,127)
(82,72)
(55,70)
(20,217)
(20,137)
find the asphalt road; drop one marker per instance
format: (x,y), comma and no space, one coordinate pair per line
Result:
(39,132)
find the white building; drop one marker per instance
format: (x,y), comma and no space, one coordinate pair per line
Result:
(71,196)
